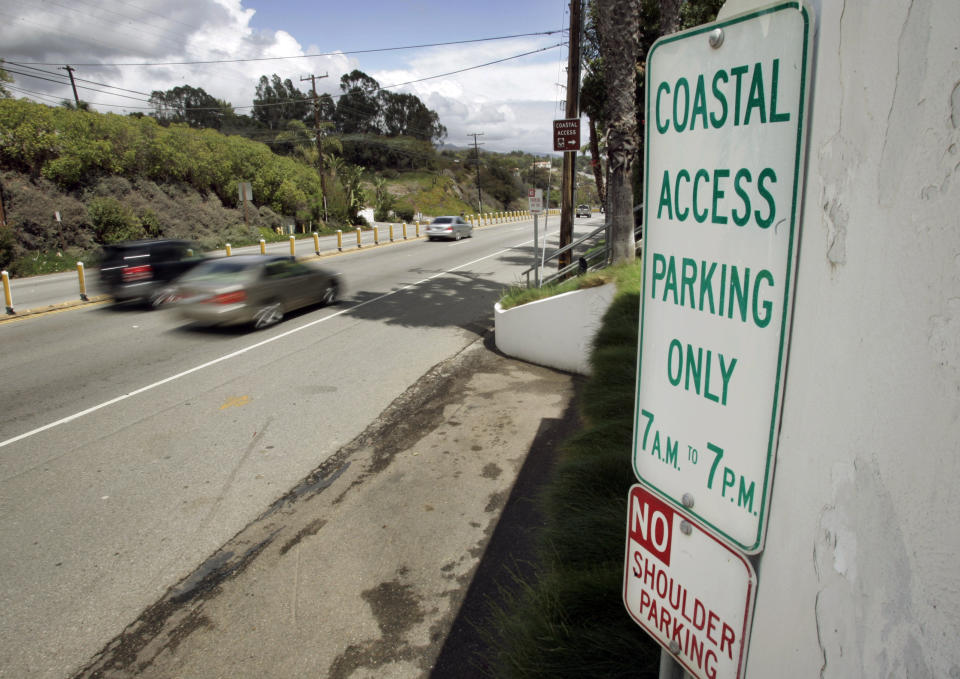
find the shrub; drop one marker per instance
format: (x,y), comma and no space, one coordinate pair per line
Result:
(404,213)
(112,221)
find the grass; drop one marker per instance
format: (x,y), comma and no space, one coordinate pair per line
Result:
(626,276)
(39,263)
(568,620)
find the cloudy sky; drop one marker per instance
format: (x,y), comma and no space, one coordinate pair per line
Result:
(122,50)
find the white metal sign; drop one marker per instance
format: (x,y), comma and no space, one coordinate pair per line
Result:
(725,119)
(670,588)
(536,201)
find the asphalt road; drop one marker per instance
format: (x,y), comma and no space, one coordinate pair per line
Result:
(42,291)
(132,446)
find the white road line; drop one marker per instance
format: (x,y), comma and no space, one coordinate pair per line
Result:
(118,399)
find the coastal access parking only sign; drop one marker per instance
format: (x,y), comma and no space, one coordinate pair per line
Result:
(726,113)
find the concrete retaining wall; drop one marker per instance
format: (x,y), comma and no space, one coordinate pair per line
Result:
(556,332)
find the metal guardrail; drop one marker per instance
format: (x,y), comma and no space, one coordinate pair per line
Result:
(593,257)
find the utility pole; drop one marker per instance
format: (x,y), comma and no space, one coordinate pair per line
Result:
(69,69)
(319,133)
(573,111)
(476,148)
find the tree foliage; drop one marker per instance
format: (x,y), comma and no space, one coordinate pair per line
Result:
(190,105)
(4,78)
(278,102)
(72,148)
(619,34)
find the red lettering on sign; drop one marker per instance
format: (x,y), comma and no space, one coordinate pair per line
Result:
(651,525)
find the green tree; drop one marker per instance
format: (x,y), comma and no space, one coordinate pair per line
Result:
(350,177)
(404,114)
(29,135)
(383,200)
(4,78)
(191,105)
(358,109)
(112,221)
(278,102)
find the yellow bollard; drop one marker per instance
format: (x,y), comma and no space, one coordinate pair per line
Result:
(391,233)
(404,231)
(339,240)
(229,251)
(418,228)
(316,243)
(359,242)
(83,283)
(376,235)
(6,291)
(293,246)
(263,247)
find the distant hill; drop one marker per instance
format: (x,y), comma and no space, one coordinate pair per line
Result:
(110,177)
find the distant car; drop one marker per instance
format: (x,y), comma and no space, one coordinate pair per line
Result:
(252,289)
(583,211)
(450,228)
(142,270)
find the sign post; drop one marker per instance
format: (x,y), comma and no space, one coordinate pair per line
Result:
(535,196)
(670,588)
(245,191)
(726,117)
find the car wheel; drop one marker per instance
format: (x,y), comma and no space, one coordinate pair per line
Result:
(268,315)
(159,298)
(329,294)
(458,236)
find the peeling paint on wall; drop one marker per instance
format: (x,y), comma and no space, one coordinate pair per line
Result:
(865,606)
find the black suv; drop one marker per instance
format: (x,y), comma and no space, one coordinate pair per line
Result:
(141,270)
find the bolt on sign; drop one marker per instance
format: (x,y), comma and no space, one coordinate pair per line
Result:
(670,588)
(726,115)
(566,134)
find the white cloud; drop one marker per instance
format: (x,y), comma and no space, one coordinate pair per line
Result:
(512,102)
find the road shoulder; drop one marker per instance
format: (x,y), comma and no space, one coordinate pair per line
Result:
(361,569)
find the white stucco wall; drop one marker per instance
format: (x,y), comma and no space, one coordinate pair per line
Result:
(861,572)
(556,332)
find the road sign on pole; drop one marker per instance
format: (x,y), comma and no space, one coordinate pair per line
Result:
(566,134)
(670,588)
(725,136)
(535,196)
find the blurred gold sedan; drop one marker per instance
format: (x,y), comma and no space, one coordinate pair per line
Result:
(251,289)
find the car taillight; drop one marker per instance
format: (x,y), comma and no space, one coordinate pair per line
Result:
(132,274)
(228,298)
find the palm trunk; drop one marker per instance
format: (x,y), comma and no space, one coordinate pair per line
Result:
(619,38)
(595,162)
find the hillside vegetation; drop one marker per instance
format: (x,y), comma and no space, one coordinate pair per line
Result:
(113,177)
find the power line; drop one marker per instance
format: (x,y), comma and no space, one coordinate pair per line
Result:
(309,56)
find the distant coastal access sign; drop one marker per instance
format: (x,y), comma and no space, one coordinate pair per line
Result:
(726,114)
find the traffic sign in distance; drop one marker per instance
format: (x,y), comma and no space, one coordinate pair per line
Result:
(566,134)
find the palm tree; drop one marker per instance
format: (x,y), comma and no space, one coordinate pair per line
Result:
(619,29)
